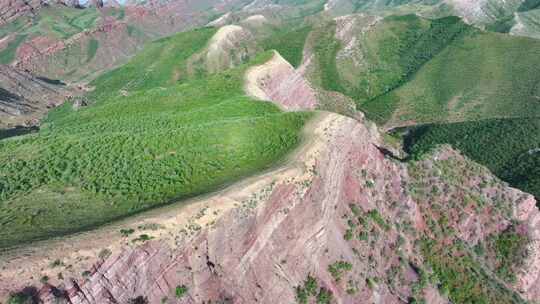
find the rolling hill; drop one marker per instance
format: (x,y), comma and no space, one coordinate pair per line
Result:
(410,70)
(148,138)
(519,17)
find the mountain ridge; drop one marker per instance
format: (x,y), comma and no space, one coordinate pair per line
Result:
(213,165)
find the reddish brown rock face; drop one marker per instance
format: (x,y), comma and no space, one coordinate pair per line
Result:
(12,9)
(24,99)
(278,81)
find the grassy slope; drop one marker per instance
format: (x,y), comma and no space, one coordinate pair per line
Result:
(502,145)
(482,75)
(396,49)
(171,138)
(427,71)
(289,43)
(325,48)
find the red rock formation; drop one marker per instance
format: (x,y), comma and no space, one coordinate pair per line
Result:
(339,201)
(24,99)
(278,81)
(115,40)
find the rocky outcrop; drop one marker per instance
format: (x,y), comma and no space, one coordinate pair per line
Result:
(255,20)
(528,278)
(25,98)
(54,58)
(230,46)
(278,81)
(350,30)
(12,9)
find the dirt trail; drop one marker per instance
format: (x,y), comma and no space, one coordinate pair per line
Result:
(174,224)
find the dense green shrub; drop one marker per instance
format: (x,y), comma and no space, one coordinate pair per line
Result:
(180,291)
(20,298)
(288,43)
(325,49)
(309,291)
(510,249)
(338,268)
(93,46)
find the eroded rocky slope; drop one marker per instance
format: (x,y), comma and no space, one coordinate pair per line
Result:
(12,9)
(112,37)
(25,98)
(278,81)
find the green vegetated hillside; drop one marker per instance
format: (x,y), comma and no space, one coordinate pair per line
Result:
(392,52)
(162,63)
(151,136)
(508,147)
(416,70)
(289,43)
(494,15)
(479,75)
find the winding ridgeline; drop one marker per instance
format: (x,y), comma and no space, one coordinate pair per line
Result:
(335,142)
(155,132)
